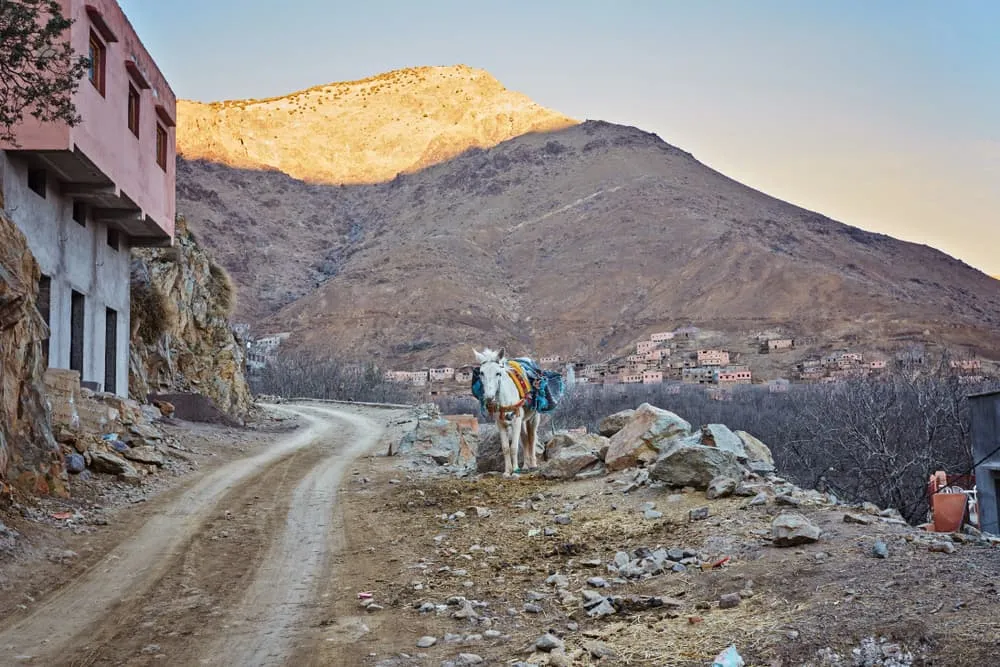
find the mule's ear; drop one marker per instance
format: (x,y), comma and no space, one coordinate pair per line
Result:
(480,357)
(502,354)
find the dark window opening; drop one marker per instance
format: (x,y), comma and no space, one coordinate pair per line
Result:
(95,69)
(110,351)
(37,181)
(113,238)
(161,147)
(76,324)
(80,213)
(44,309)
(133,110)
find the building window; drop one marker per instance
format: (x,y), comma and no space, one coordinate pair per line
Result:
(110,351)
(76,325)
(80,213)
(43,303)
(98,60)
(133,110)
(161,147)
(36,181)
(113,238)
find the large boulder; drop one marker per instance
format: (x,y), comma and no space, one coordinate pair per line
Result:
(489,456)
(614,423)
(112,464)
(648,432)
(569,454)
(757,451)
(695,466)
(791,529)
(440,439)
(720,437)
(145,454)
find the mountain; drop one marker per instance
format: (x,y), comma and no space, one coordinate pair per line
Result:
(363,131)
(574,242)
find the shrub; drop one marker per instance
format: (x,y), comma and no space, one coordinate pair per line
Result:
(301,375)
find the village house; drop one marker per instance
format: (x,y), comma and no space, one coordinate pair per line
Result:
(778,386)
(261,351)
(418,378)
(631,378)
(699,375)
(662,336)
(644,346)
(652,377)
(812,373)
(550,359)
(777,344)
(441,374)
(713,358)
(968,365)
(724,376)
(84,195)
(463,375)
(658,354)
(876,364)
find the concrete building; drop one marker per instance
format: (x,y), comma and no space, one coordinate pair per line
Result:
(662,336)
(713,358)
(778,344)
(84,195)
(985,409)
(652,377)
(263,350)
(644,346)
(441,374)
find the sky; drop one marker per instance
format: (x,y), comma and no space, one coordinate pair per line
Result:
(884,115)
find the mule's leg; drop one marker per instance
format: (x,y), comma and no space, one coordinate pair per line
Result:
(505,446)
(515,431)
(531,431)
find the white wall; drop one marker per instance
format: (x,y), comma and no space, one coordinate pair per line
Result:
(75,258)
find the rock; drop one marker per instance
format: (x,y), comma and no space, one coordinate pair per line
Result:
(549,642)
(601,610)
(145,454)
(787,500)
(720,437)
(757,451)
(791,529)
(698,514)
(467,659)
(440,439)
(880,549)
(652,514)
(562,519)
(758,500)
(598,649)
(75,463)
(695,466)
(721,487)
(940,546)
(558,580)
(532,608)
(482,512)
(571,458)
(166,408)
(641,439)
(597,582)
(112,464)
(612,424)
(426,642)
(729,600)
(863,519)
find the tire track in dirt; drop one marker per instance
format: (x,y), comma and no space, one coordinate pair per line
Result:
(130,569)
(272,620)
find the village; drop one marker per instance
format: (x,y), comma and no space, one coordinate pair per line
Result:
(688,357)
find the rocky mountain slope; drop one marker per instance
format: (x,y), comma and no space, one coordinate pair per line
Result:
(29,455)
(363,131)
(181,338)
(573,242)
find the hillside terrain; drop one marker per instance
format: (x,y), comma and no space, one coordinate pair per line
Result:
(574,242)
(363,131)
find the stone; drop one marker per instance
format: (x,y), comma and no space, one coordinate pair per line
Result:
(612,424)
(721,487)
(880,549)
(571,458)
(758,500)
(695,466)
(75,463)
(791,529)
(558,580)
(652,514)
(940,546)
(720,437)
(468,659)
(863,519)
(145,454)
(166,408)
(532,608)
(598,649)
(597,582)
(757,451)
(729,600)
(426,642)
(787,500)
(549,642)
(641,440)
(112,464)
(698,514)
(562,519)
(601,610)
(441,440)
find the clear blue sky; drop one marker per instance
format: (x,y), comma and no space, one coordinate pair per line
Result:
(881,114)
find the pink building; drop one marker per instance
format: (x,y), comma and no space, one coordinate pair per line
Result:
(733,376)
(644,346)
(550,359)
(876,364)
(631,378)
(441,374)
(713,357)
(662,336)
(966,364)
(84,195)
(652,377)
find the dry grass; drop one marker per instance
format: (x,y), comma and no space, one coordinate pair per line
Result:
(150,312)
(222,289)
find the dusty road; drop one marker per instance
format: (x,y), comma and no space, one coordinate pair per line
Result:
(224,574)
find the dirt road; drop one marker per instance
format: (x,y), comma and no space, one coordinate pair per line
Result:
(224,574)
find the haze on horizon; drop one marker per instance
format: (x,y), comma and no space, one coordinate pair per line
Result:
(880,115)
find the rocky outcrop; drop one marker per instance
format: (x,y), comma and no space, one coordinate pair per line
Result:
(695,466)
(445,442)
(614,423)
(570,454)
(643,437)
(30,459)
(181,337)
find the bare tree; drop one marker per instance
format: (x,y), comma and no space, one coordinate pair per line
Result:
(302,375)
(39,72)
